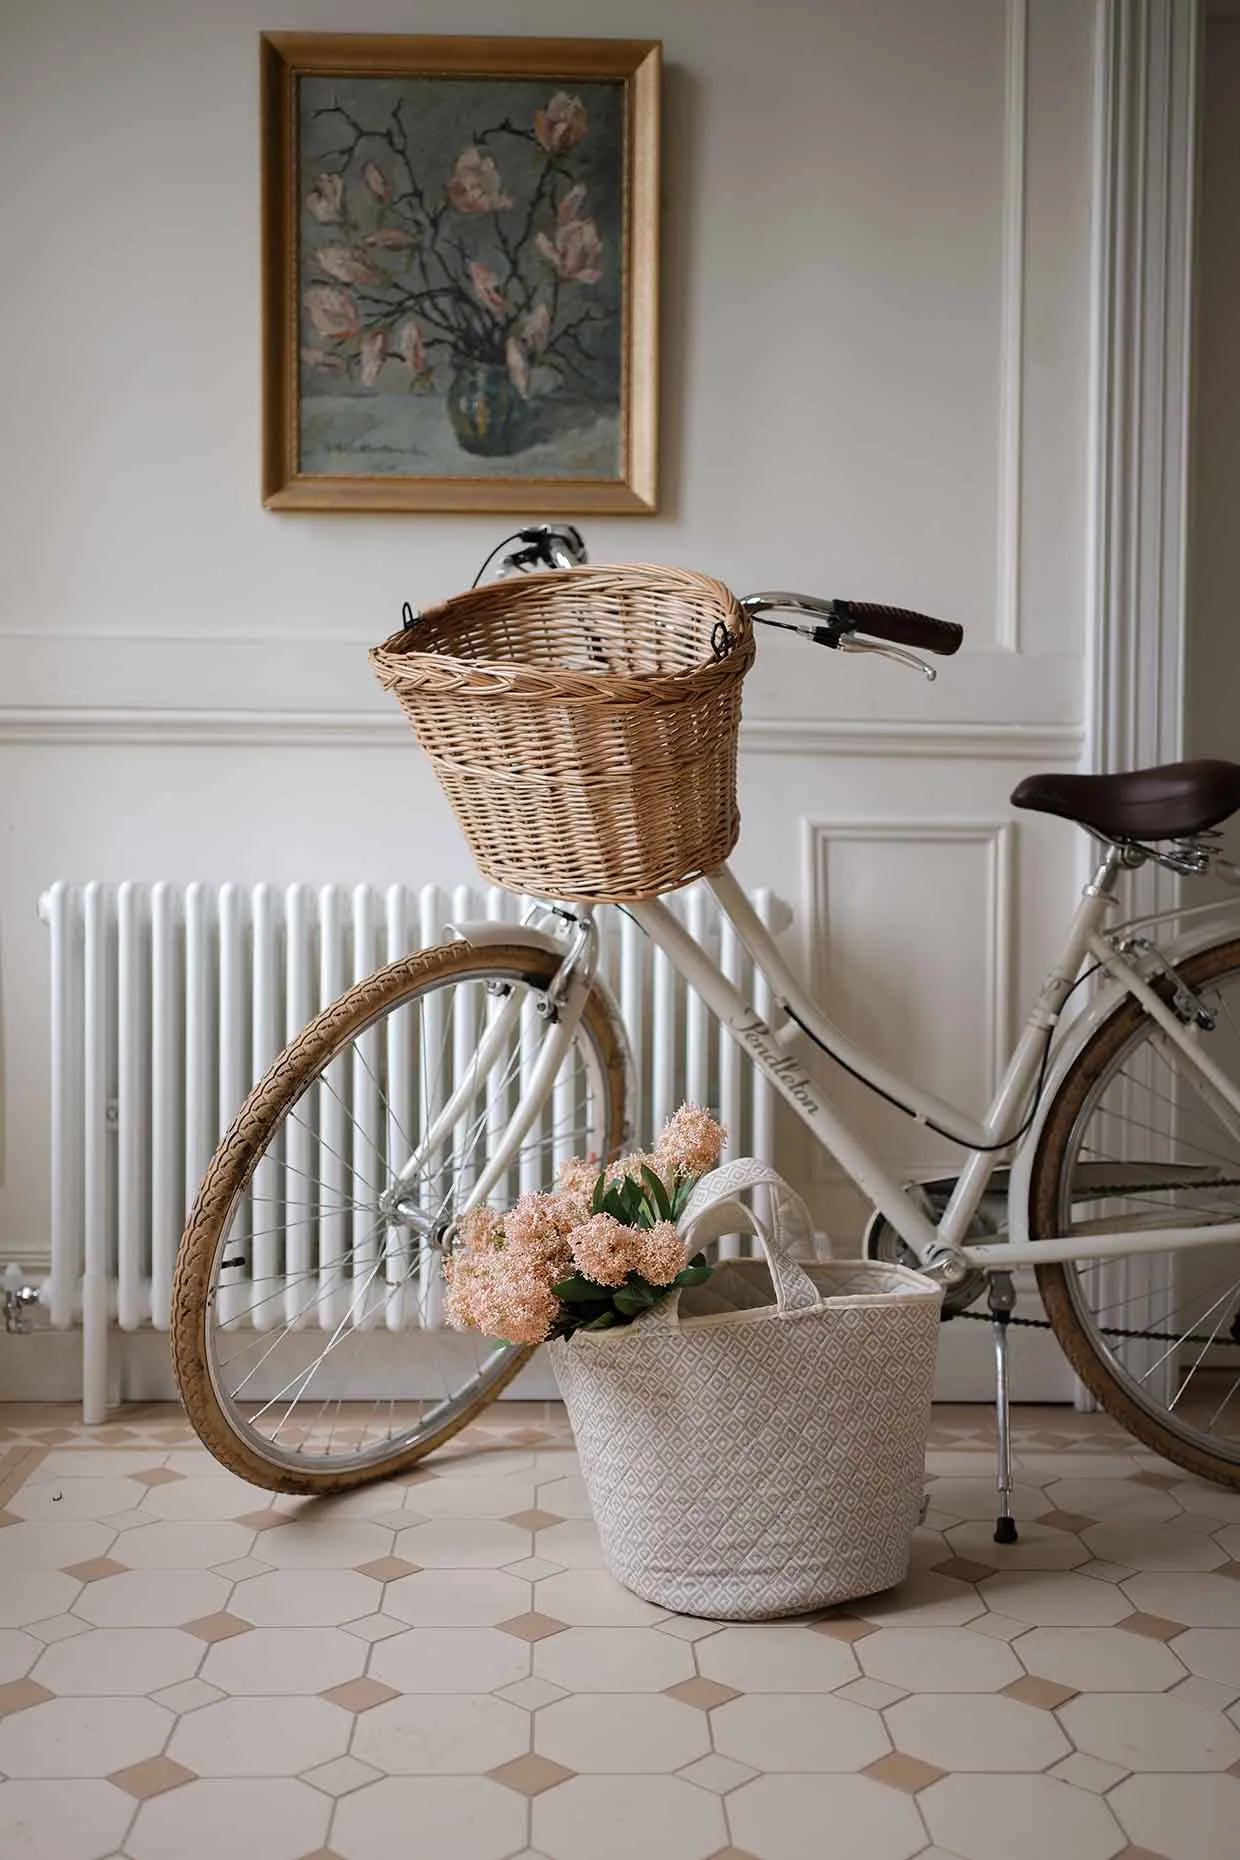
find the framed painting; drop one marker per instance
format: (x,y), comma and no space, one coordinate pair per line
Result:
(460,273)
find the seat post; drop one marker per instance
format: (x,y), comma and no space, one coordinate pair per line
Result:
(1115,860)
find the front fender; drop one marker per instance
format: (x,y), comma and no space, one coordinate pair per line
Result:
(1069,1047)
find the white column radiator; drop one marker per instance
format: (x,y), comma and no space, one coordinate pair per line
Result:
(168,1001)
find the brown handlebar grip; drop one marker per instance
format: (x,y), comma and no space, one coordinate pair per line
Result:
(901,626)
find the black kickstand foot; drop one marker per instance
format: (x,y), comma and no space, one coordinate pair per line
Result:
(1005,1531)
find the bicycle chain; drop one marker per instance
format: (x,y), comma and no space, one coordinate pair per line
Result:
(1146,1336)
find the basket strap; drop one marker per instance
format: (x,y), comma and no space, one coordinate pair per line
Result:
(713,1209)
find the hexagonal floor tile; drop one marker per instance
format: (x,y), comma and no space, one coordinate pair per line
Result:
(306,1598)
(185,1546)
(607,1818)
(251,1737)
(58,1501)
(777,1659)
(1151,1731)
(340,1543)
(152,1598)
(460,1543)
(567,1497)
(1019,1818)
(1038,1547)
(574,1544)
(457,1597)
(453,1818)
(82,1737)
(1183,1817)
(53,1546)
(114,1661)
(592,1598)
(220,1496)
(963,1731)
(1153,1546)
(451,1660)
(1207,1500)
(938,1659)
(805,1817)
(775,1731)
(476,1497)
(1200,1600)
(202,1820)
(447,1736)
(284,1661)
(923,1600)
(963,1498)
(1056,1598)
(1100,1659)
(28,1595)
(1113,1500)
(61,1820)
(1213,1653)
(605,1734)
(612,1659)
(18,1653)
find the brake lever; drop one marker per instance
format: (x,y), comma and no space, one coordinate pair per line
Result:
(850,642)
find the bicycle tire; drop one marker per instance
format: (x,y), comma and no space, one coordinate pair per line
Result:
(257,1123)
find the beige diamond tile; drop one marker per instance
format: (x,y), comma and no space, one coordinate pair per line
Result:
(1045,1694)
(607,1734)
(606,1818)
(593,1598)
(1153,1546)
(1100,1659)
(463,1543)
(186,1546)
(1214,1653)
(718,1774)
(455,1818)
(263,1520)
(441,1735)
(115,1661)
(1055,1598)
(388,1569)
(1018,1817)
(701,1694)
(95,1569)
(532,1626)
(897,1771)
(81,1737)
(530,1775)
(534,1519)
(963,1569)
(1182,1817)
(1150,1731)
(776,1659)
(1151,1627)
(451,1660)
(21,1695)
(612,1660)
(222,1626)
(153,1777)
(246,1737)
(28,1595)
(923,1600)
(1074,1521)
(285,1661)
(307,1597)
(281,1820)
(458,1598)
(1195,1600)
(75,1820)
(938,1659)
(843,1627)
(798,1731)
(360,1695)
(810,1817)
(969,1731)
(152,1598)
(157,1475)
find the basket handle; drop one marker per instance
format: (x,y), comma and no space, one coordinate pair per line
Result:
(713,1209)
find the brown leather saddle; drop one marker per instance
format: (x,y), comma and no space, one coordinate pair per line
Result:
(1171,802)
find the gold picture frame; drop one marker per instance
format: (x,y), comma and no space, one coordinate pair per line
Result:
(460,273)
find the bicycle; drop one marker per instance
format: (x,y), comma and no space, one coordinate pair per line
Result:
(467,1070)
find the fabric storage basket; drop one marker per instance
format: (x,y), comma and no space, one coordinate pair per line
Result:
(756,1446)
(583,725)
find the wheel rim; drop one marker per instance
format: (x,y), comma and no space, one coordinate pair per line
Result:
(1145,1150)
(316,1292)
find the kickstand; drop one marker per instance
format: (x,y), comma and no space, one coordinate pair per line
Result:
(1002,1297)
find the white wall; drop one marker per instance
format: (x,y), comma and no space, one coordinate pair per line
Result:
(875,356)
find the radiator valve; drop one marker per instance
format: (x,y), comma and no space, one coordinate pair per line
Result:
(17,1297)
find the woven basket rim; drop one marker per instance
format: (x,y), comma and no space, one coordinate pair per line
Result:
(402,661)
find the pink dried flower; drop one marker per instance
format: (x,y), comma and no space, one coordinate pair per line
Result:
(660,1254)
(576,1183)
(691,1143)
(605,1250)
(538,1227)
(479,1230)
(502,1295)
(629,1168)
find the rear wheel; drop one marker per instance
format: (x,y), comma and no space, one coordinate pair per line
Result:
(301,1275)
(1134,1139)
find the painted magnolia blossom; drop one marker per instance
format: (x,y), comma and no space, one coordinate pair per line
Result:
(575,251)
(377,181)
(389,239)
(374,350)
(326,199)
(474,185)
(562,124)
(332,311)
(324,361)
(347,265)
(486,286)
(412,349)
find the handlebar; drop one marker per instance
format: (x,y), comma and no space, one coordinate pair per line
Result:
(835,621)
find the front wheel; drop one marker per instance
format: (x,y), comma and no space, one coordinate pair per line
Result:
(306,1309)
(1136,1139)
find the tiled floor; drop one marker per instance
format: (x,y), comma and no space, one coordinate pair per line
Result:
(440,1669)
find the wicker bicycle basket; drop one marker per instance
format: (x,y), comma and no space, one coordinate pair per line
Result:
(583,725)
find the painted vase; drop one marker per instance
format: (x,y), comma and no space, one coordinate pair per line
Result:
(488,415)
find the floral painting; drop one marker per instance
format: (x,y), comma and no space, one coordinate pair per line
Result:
(462,257)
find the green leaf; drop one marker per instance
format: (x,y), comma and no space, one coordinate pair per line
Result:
(600,1191)
(683,1191)
(575,1289)
(603,1321)
(656,1194)
(693,1275)
(614,1205)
